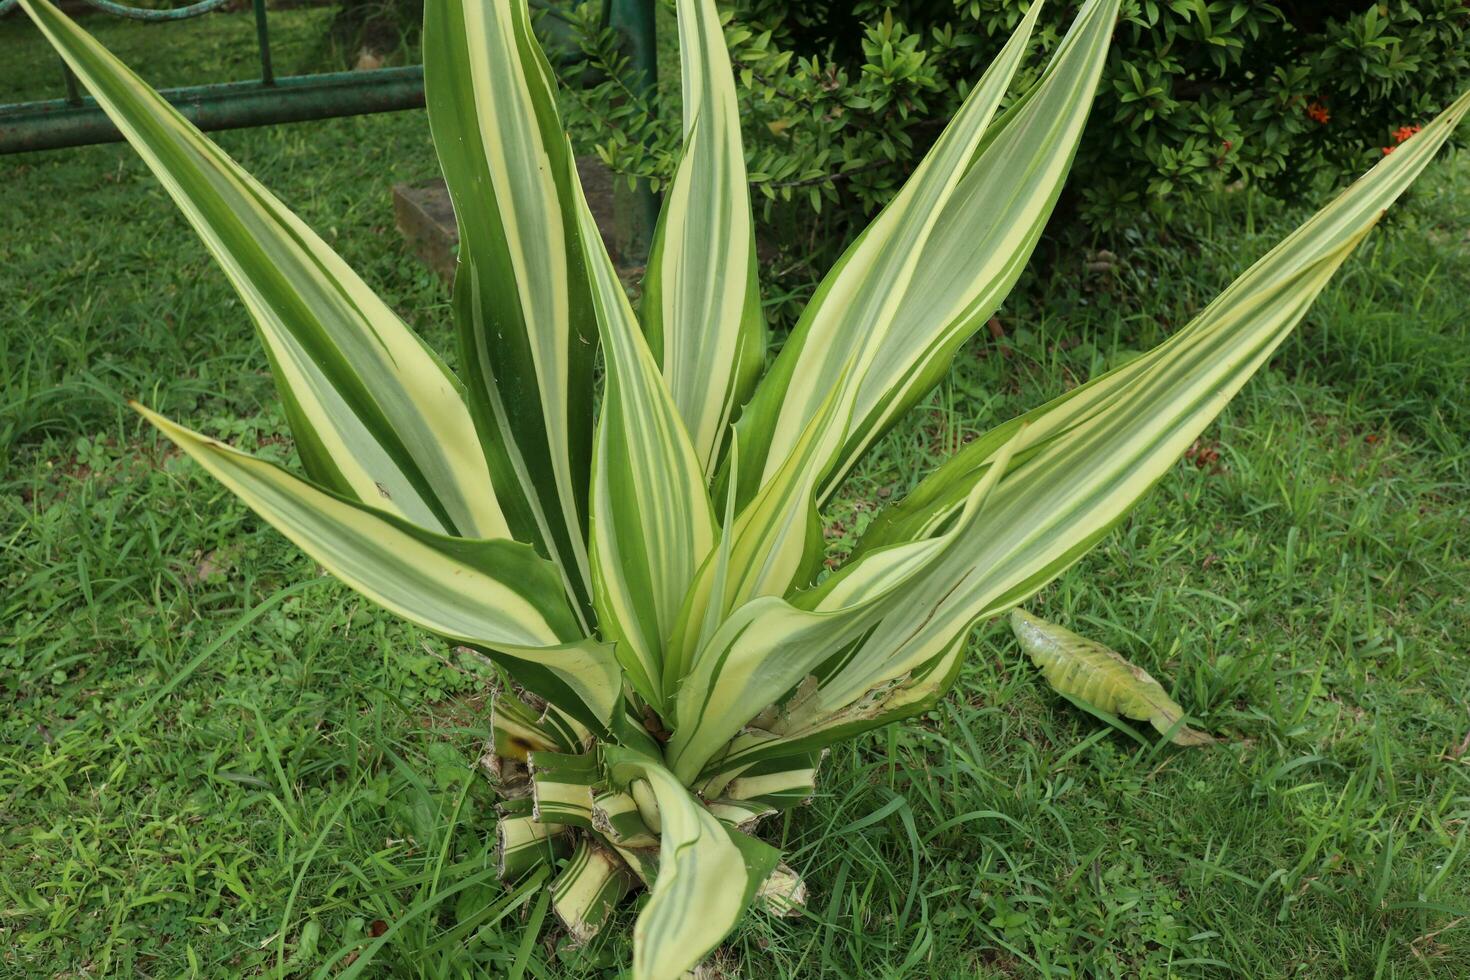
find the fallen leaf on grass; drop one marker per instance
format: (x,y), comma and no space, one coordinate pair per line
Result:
(1082,669)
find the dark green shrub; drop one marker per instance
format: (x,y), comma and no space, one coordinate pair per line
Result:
(842,97)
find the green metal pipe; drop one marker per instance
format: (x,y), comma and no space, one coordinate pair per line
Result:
(634,21)
(73,90)
(263,41)
(140,13)
(58,123)
(150,14)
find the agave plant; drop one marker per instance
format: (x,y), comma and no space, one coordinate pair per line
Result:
(646,566)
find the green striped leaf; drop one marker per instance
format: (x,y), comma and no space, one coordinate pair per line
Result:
(700,615)
(587,890)
(1088,671)
(768,646)
(615,815)
(561,787)
(986,234)
(652,522)
(701,299)
(375,414)
(521,300)
(805,410)
(935,263)
(707,874)
(1067,473)
(498,596)
(782,783)
(818,715)
(523,844)
(763,788)
(776,542)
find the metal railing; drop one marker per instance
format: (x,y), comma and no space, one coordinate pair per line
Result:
(75,120)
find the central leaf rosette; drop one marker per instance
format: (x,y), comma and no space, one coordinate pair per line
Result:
(615,816)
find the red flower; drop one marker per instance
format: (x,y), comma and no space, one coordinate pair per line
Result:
(1319,112)
(1404,132)
(1387,150)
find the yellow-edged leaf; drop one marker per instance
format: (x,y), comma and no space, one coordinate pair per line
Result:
(818,714)
(707,873)
(652,523)
(499,596)
(522,305)
(376,415)
(881,321)
(934,264)
(701,301)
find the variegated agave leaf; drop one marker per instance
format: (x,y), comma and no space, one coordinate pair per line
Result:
(522,303)
(1096,675)
(936,262)
(1062,475)
(701,299)
(497,596)
(376,415)
(708,873)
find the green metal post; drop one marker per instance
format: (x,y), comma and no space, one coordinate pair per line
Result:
(263,37)
(634,20)
(637,213)
(73,90)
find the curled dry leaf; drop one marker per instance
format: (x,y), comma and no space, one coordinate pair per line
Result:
(1081,668)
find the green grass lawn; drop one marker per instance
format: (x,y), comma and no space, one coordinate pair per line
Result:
(189,52)
(213,761)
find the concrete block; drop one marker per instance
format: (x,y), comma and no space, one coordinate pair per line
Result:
(425,216)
